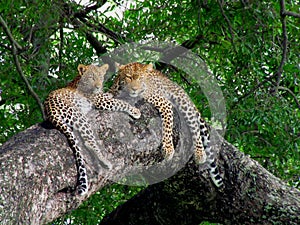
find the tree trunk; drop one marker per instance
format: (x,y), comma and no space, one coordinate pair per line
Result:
(38,175)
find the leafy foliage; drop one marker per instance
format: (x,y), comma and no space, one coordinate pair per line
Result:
(242,42)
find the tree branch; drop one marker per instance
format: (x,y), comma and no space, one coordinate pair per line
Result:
(88,9)
(278,73)
(31,91)
(82,17)
(284,43)
(284,12)
(117,38)
(38,172)
(291,93)
(9,34)
(252,196)
(229,25)
(15,47)
(293,14)
(82,20)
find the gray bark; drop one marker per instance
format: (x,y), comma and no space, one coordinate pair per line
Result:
(251,195)
(38,175)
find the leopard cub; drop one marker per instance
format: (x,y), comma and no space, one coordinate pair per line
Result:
(68,108)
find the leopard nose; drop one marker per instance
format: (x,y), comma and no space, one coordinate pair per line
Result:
(135,88)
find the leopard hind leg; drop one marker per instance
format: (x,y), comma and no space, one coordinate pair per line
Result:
(89,138)
(199,152)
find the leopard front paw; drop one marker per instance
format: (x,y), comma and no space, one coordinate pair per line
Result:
(169,153)
(135,113)
(107,95)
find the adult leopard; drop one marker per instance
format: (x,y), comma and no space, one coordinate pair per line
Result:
(143,80)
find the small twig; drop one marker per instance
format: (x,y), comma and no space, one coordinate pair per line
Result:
(32,92)
(279,71)
(88,9)
(9,34)
(199,17)
(293,14)
(267,142)
(256,87)
(15,47)
(229,25)
(291,93)
(284,43)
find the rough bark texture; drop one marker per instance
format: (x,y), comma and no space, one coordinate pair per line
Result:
(251,196)
(38,174)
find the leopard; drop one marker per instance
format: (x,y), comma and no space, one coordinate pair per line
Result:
(142,80)
(67,109)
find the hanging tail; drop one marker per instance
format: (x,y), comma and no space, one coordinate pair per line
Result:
(215,174)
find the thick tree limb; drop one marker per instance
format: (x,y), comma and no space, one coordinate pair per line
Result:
(37,168)
(38,171)
(252,196)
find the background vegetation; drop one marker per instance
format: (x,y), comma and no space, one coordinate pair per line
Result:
(251,46)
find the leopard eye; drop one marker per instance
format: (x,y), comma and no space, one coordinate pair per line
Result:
(127,79)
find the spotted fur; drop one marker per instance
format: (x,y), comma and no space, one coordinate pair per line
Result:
(67,110)
(143,80)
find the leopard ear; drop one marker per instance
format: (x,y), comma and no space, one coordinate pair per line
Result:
(149,67)
(105,67)
(119,66)
(81,69)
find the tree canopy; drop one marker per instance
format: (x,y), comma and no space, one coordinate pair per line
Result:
(251,47)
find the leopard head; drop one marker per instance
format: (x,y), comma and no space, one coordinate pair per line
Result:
(91,78)
(132,77)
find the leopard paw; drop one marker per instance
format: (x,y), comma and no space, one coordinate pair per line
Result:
(169,153)
(135,113)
